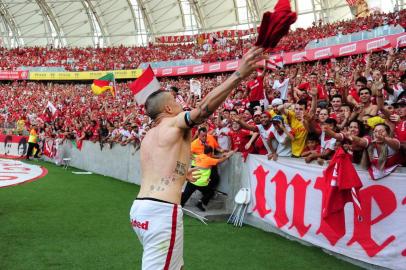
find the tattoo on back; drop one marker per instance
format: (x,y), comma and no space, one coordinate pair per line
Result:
(165,181)
(180,168)
(156,188)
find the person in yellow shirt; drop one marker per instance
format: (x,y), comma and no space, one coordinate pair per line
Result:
(33,142)
(203,163)
(299,119)
(197,148)
(20,125)
(298,125)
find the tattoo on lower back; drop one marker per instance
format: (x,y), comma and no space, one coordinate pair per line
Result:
(180,168)
(156,188)
(168,179)
(165,181)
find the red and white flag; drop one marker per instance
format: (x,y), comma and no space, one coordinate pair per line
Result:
(274,63)
(144,86)
(352,3)
(343,184)
(51,107)
(49,148)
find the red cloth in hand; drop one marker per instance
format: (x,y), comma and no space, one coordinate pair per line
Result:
(275,25)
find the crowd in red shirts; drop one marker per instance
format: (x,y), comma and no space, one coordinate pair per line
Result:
(213,50)
(84,59)
(304,110)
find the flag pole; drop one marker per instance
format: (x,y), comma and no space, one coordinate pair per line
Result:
(115,86)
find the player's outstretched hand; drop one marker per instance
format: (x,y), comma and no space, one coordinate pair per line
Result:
(250,61)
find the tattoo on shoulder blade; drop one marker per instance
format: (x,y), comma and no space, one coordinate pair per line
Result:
(180,168)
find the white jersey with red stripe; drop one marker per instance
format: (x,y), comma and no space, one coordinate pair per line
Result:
(392,162)
(159,227)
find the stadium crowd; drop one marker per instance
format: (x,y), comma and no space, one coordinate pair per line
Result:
(216,48)
(304,110)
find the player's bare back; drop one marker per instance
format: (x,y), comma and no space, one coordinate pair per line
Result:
(165,157)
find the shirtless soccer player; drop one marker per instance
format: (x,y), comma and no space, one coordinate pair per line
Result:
(156,214)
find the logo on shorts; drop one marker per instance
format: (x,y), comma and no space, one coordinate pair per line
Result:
(137,224)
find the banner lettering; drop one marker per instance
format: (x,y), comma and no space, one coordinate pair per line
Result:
(289,195)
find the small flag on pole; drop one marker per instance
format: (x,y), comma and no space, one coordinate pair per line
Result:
(144,86)
(103,84)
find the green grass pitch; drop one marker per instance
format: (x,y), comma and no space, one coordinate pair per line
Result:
(68,221)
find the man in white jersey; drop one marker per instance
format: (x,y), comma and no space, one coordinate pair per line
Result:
(156,214)
(282,85)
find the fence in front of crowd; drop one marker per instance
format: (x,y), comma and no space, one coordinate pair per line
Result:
(381,31)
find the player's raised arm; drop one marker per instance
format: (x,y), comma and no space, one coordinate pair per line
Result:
(215,98)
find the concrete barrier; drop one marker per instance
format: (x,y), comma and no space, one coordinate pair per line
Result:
(123,163)
(120,162)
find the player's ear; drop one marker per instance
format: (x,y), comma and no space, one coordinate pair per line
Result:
(168,109)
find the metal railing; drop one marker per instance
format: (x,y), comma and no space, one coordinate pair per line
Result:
(363,35)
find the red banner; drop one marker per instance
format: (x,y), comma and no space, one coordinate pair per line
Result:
(289,195)
(376,44)
(14,75)
(12,146)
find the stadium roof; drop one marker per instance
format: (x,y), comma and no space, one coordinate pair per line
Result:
(80,23)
